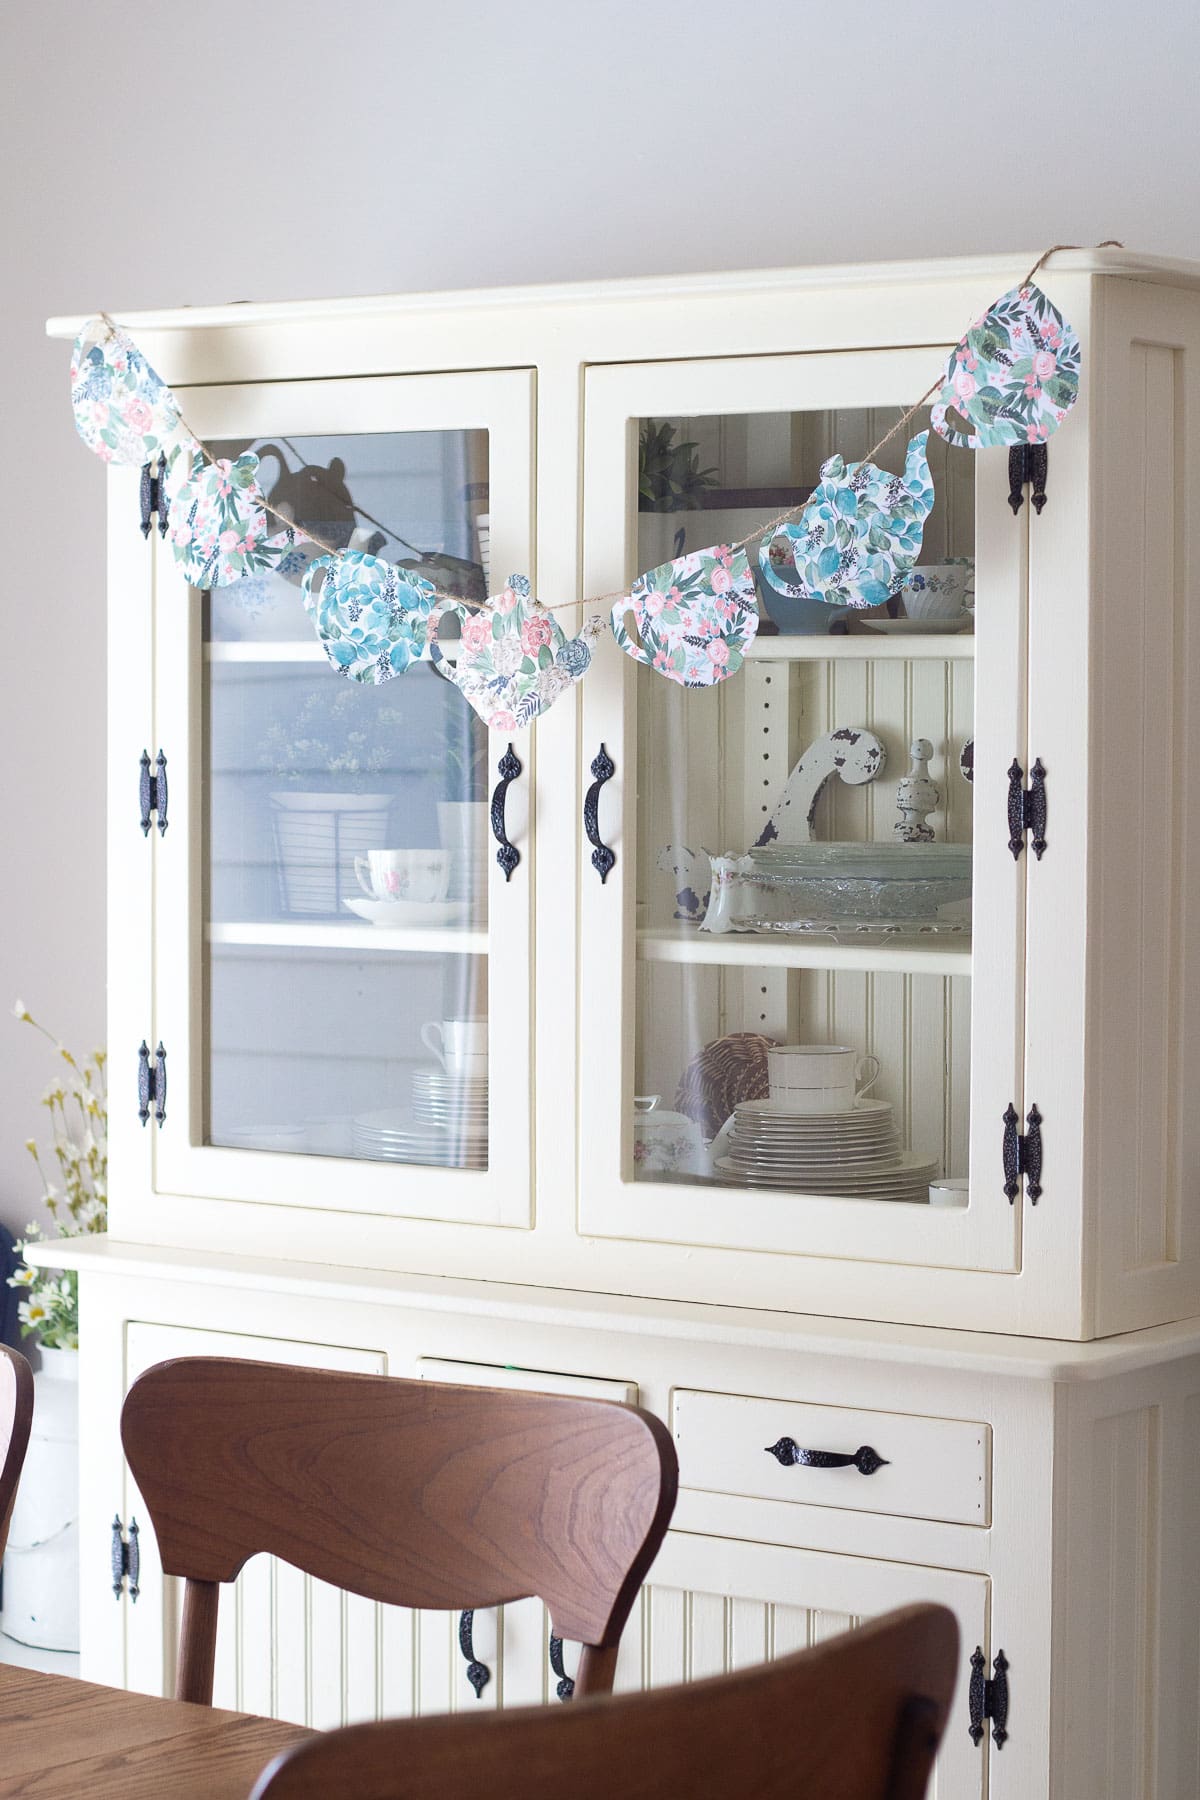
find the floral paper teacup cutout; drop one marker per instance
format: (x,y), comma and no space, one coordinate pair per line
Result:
(859,535)
(372,618)
(513,658)
(695,616)
(217,524)
(124,411)
(1014,377)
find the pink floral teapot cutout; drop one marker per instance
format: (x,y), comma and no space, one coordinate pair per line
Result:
(695,616)
(513,658)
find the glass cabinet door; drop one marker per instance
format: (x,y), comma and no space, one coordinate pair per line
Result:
(327,893)
(812,853)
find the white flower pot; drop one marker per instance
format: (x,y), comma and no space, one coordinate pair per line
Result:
(41,1565)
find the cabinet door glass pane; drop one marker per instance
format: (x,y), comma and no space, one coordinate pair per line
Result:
(831,781)
(346,836)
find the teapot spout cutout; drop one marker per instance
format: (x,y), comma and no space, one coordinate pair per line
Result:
(513,660)
(859,536)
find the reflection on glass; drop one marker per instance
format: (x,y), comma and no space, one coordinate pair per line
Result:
(818,802)
(347,833)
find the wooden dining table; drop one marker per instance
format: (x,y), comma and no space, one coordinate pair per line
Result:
(62,1739)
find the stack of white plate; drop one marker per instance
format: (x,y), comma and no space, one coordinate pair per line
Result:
(855,1154)
(395,1136)
(452,1102)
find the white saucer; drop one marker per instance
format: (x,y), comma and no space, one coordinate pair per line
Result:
(397,914)
(922,627)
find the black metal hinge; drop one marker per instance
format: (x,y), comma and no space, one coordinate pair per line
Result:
(1022,1154)
(126,1559)
(988,1699)
(1027,808)
(152,499)
(1028,466)
(152,1084)
(152,792)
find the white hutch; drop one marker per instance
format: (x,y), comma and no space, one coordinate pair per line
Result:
(1027,1366)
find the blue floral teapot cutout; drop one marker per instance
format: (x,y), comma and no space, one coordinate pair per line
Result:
(372,618)
(859,535)
(513,657)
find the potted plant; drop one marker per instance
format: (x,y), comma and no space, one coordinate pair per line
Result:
(41,1574)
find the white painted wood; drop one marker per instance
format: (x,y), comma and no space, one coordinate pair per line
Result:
(713,1606)
(947,647)
(185,1164)
(526,1381)
(667,945)
(935,1468)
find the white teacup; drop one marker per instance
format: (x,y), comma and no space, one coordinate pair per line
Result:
(940,590)
(460,1045)
(421,875)
(819,1078)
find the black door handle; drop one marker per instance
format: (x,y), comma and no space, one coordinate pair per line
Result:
(508,768)
(603,858)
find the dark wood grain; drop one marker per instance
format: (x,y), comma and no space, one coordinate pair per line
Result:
(16,1416)
(413,1493)
(858,1718)
(67,1740)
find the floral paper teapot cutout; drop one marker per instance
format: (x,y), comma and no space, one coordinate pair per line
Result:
(372,618)
(695,616)
(859,535)
(217,522)
(124,411)
(1014,377)
(514,659)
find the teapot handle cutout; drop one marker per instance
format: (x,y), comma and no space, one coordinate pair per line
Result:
(958,439)
(437,655)
(617,619)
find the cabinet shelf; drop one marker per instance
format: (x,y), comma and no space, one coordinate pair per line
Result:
(430,941)
(873,646)
(750,950)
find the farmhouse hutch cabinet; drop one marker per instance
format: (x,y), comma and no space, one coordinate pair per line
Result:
(311,1171)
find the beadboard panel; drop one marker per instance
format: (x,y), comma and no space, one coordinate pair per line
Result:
(1142,1029)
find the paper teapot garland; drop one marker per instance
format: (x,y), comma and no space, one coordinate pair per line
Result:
(1014,377)
(859,535)
(1011,379)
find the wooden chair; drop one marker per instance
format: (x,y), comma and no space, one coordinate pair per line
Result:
(858,1718)
(16,1416)
(409,1492)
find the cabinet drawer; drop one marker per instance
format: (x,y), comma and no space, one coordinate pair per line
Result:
(929,1468)
(534,1381)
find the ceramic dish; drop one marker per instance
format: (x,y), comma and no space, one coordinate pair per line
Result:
(922,627)
(398,915)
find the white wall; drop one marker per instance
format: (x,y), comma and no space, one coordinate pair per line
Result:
(163,154)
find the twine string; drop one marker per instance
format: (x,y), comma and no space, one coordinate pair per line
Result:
(767,529)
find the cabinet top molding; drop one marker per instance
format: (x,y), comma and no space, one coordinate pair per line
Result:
(976,1352)
(1003,271)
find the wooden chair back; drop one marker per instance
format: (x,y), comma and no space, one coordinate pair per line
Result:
(16,1416)
(858,1718)
(410,1492)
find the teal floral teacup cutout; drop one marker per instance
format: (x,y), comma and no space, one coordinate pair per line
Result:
(513,657)
(695,616)
(217,524)
(123,410)
(859,535)
(1014,377)
(372,618)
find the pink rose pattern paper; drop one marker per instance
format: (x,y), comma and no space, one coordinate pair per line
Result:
(217,524)
(1014,377)
(514,658)
(695,616)
(124,411)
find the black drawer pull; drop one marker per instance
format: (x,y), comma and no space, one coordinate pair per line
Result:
(787,1452)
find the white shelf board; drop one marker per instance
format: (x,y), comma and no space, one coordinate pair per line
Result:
(876,646)
(947,956)
(238,650)
(432,940)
